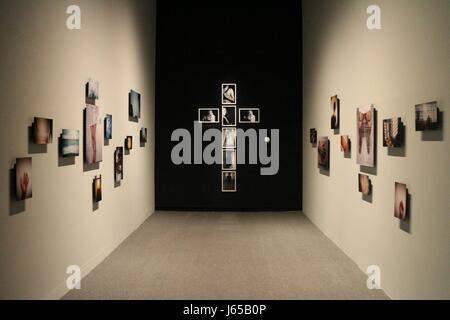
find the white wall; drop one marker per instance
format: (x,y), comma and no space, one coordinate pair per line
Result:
(403,64)
(44,70)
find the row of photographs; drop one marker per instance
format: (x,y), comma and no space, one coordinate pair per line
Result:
(229,115)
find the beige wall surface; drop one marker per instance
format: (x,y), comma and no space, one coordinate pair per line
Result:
(403,64)
(44,70)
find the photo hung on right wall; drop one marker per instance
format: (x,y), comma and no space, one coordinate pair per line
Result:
(335,105)
(134,105)
(365,136)
(313,136)
(427,116)
(364,184)
(400,205)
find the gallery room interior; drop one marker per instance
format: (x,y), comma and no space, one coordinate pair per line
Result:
(180,150)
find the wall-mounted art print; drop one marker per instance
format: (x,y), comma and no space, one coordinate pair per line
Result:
(229,138)
(134,104)
(427,116)
(143,135)
(70,143)
(392,133)
(23,174)
(364,184)
(249,115)
(228,181)
(228,116)
(335,106)
(365,136)
(92,88)
(42,131)
(129,143)
(93,135)
(345,143)
(118,164)
(323,152)
(229,95)
(313,136)
(108,127)
(208,115)
(229,159)
(97,189)
(400,206)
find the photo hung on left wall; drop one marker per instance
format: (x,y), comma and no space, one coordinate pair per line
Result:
(365,136)
(70,143)
(401,201)
(323,153)
(42,131)
(335,110)
(313,136)
(93,134)
(23,172)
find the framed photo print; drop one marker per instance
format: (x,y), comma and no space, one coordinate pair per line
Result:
(229,159)
(427,116)
(229,138)
(229,95)
(208,115)
(228,181)
(335,105)
(249,115)
(228,116)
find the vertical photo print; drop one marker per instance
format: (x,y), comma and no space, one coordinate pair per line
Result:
(229,138)
(208,115)
(129,143)
(97,188)
(134,104)
(118,164)
(92,88)
(313,136)
(143,135)
(70,143)
(345,143)
(42,131)
(228,116)
(427,116)
(23,174)
(229,95)
(335,106)
(400,205)
(229,159)
(248,115)
(392,133)
(364,184)
(323,153)
(228,181)
(365,136)
(108,127)
(93,134)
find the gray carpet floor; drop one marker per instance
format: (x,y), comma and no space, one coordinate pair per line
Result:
(208,255)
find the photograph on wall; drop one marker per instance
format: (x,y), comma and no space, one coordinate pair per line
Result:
(23,173)
(313,136)
(118,164)
(401,194)
(143,135)
(323,152)
(92,90)
(129,142)
(364,184)
(392,133)
(134,104)
(249,115)
(43,131)
(70,143)
(335,112)
(208,115)
(97,189)
(228,181)
(427,116)
(228,116)
(108,127)
(345,143)
(229,138)
(93,134)
(229,159)
(229,95)
(365,138)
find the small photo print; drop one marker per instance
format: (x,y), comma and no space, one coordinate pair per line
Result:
(313,136)
(364,184)
(229,93)
(118,164)
(229,159)
(229,138)
(400,207)
(249,115)
(93,135)
(365,136)
(335,112)
(129,143)
(323,151)
(108,127)
(392,133)
(143,135)
(345,143)
(228,181)
(134,104)
(92,90)
(97,189)
(24,188)
(70,143)
(43,131)
(228,116)
(427,116)
(206,115)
